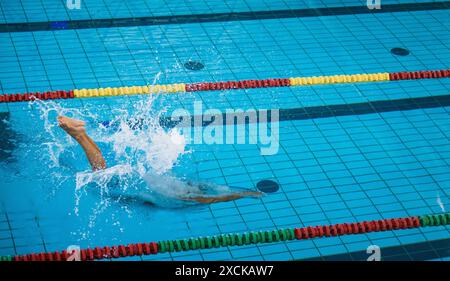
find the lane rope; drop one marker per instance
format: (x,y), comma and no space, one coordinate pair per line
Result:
(226,85)
(239,239)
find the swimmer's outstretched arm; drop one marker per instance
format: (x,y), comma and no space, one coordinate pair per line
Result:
(222,198)
(75,128)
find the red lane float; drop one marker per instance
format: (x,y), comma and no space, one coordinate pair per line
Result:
(419,75)
(95,254)
(243,84)
(356,228)
(37,95)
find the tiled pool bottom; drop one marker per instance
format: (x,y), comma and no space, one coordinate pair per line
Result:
(338,161)
(330,170)
(429,250)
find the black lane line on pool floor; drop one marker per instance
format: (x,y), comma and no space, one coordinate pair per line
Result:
(325,111)
(220,17)
(421,251)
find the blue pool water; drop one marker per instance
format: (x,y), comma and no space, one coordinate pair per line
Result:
(333,169)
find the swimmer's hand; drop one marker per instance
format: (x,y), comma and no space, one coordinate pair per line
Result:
(73,127)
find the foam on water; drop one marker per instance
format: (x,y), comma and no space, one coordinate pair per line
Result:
(138,144)
(54,148)
(439,202)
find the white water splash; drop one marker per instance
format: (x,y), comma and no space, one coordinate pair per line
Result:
(142,141)
(52,145)
(439,202)
(140,158)
(138,143)
(101,180)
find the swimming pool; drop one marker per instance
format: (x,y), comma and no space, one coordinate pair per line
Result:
(350,149)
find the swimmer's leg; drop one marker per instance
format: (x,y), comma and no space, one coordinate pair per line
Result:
(222,198)
(75,128)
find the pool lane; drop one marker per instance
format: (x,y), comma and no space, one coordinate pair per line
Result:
(330,170)
(220,17)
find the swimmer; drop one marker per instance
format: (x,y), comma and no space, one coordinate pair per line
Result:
(75,128)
